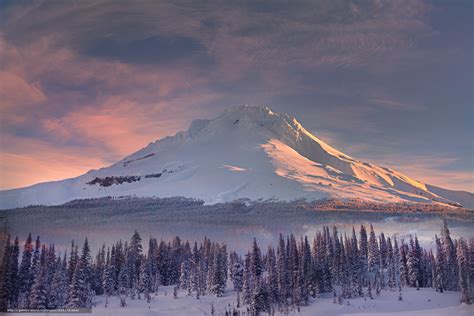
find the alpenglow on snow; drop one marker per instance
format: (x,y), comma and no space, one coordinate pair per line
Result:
(247,152)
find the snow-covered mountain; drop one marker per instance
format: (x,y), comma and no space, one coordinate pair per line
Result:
(246,152)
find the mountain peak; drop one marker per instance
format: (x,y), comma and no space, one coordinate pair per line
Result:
(247,152)
(252,120)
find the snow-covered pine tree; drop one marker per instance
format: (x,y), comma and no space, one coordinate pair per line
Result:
(432,260)
(194,268)
(184,275)
(11,280)
(354,265)
(25,276)
(4,274)
(315,275)
(98,271)
(383,250)
(256,261)
(134,258)
(59,286)
(176,256)
(396,260)
(38,293)
(271,267)
(306,267)
(449,250)
(293,265)
(80,292)
(463,268)
(51,265)
(336,260)
(124,280)
(282,272)
(151,255)
(73,259)
(421,263)
(238,274)
(260,301)
(146,280)
(373,258)
(327,278)
(413,264)
(344,275)
(13,274)
(391,267)
(364,252)
(403,268)
(109,282)
(217,273)
(247,289)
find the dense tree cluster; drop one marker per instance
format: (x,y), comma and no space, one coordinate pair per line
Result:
(277,279)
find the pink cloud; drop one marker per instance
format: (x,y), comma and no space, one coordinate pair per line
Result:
(29,161)
(14,91)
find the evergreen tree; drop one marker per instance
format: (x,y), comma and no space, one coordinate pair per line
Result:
(463,264)
(449,251)
(364,251)
(247,289)
(38,291)
(146,280)
(134,257)
(11,275)
(440,273)
(4,274)
(256,261)
(59,286)
(80,291)
(383,250)
(391,266)
(237,275)
(396,259)
(25,276)
(373,258)
(217,272)
(73,259)
(260,301)
(282,272)
(184,282)
(109,282)
(403,268)
(414,264)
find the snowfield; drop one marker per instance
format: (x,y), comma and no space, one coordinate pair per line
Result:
(246,152)
(423,302)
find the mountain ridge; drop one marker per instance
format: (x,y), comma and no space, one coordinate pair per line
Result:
(246,152)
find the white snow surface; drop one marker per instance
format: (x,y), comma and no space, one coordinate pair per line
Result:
(247,152)
(424,302)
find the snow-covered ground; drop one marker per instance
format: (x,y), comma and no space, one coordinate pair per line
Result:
(246,152)
(425,302)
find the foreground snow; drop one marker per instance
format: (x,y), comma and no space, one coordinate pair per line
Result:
(246,152)
(423,302)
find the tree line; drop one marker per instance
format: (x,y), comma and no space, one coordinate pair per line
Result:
(360,264)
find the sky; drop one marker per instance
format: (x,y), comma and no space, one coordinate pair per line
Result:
(85,83)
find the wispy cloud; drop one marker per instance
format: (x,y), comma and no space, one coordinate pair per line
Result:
(395,105)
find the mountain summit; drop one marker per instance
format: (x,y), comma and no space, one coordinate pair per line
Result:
(246,152)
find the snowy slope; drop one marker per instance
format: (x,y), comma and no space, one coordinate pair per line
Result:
(246,152)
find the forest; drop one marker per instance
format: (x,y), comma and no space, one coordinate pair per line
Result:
(278,279)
